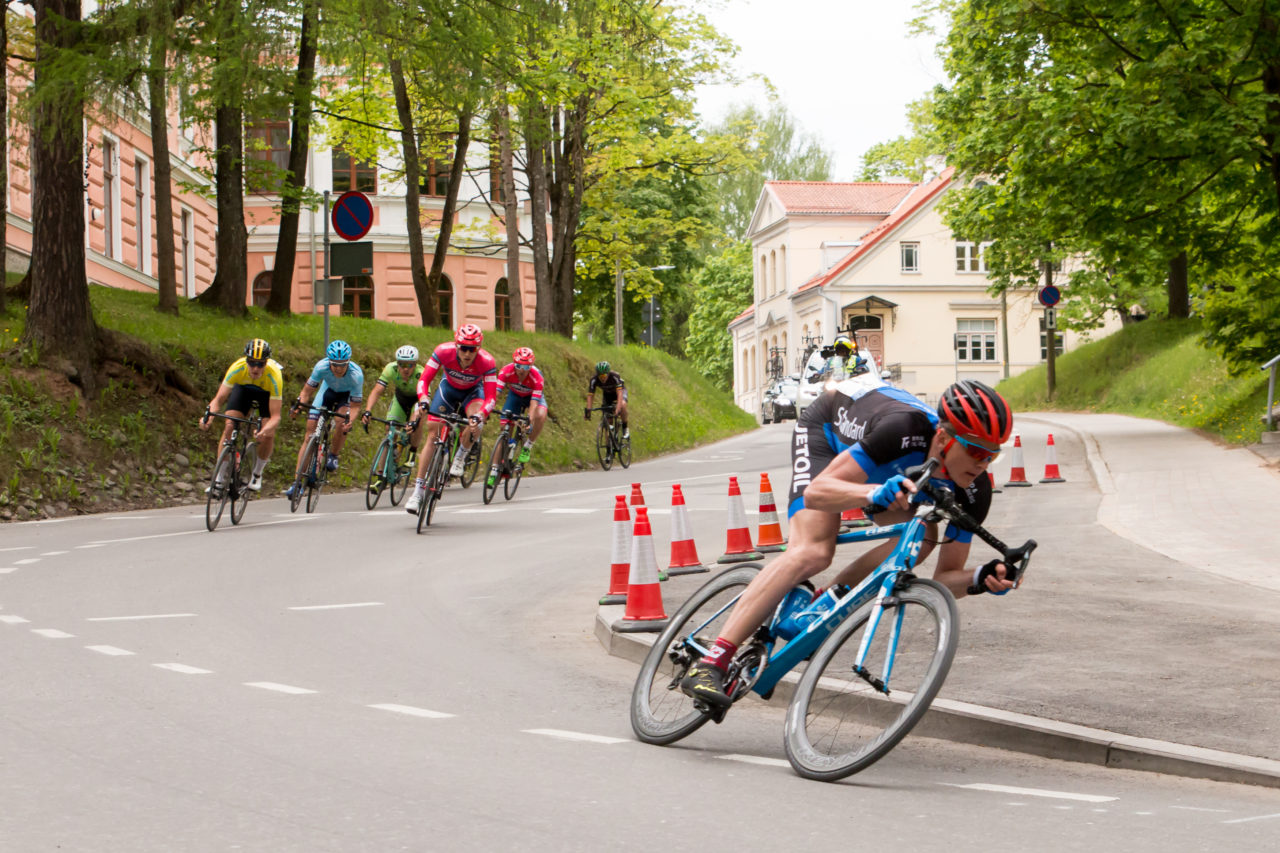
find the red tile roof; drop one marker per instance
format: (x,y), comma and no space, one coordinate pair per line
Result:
(829,198)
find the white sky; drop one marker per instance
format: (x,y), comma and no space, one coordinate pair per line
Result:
(845,69)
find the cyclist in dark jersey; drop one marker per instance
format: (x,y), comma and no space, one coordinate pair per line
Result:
(850,449)
(614,391)
(401,376)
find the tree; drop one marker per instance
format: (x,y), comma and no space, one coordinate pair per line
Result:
(722,291)
(910,157)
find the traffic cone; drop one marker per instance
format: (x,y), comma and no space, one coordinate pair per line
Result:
(852,518)
(620,554)
(684,553)
(1051,474)
(1017,473)
(738,548)
(769,533)
(637,497)
(644,611)
(995,487)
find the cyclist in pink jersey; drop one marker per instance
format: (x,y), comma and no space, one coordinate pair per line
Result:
(524,385)
(468,383)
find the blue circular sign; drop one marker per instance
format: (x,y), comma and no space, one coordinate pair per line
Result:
(1049,296)
(352,215)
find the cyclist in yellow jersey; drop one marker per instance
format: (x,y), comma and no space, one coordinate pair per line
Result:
(254,378)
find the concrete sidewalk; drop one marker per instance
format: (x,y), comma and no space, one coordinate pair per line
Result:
(1147,635)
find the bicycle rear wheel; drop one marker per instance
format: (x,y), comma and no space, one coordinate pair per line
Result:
(604,449)
(377,475)
(219,487)
(244,472)
(838,723)
(660,712)
(497,463)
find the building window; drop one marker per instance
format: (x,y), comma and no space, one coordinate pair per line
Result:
(910,257)
(357,296)
(267,143)
(110,194)
(975,340)
(435,173)
(261,289)
(1058,342)
(352,174)
(444,302)
(142,211)
(188,253)
(501,306)
(971,257)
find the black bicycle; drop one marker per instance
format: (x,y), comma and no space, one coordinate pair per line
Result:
(312,473)
(505,466)
(233,468)
(392,467)
(611,442)
(445,446)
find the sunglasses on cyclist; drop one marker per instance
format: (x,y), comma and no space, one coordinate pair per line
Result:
(254,362)
(975,450)
(337,363)
(467,349)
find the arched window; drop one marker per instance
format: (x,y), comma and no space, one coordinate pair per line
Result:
(773,273)
(753,368)
(782,262)
(261,288)
(357,296)
(501,306)
(743,367)
(763,282)
(817,331)
(445,302)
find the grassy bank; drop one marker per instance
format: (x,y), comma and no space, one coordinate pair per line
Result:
(137,445)
(1154,369)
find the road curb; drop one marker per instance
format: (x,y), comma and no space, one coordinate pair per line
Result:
(962,722)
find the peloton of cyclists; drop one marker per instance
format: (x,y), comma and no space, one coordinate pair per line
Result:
(524,384)
(614,391)
(336,383)
(254,378)
(468,383)
(402,377)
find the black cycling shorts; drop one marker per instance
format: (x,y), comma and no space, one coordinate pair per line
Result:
(242,396)
(810,454)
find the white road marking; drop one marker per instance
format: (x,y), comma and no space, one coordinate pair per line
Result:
(279,688)
(1033,792)
(577,736)
(756,759)
(183,668)
(108,650)
(128,517)
(12,620)
(51,633)
(27,561)
(94,545)
(143,616)
(412,711)
(1259,817)
(338,606)
(1200,809)
(480,511)
(52,553)
(6,571)
(197,532)
(17,548)
(568,511)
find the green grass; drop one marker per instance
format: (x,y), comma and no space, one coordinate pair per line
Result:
(1155,369)
(134,426)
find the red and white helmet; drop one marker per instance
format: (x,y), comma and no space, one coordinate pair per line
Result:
(469,335)
(522,356)
(974,410)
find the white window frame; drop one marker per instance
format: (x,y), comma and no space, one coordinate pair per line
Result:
(911,248)
(142,194)
(971,258)
(1059,341)
(979,332)
(111,196)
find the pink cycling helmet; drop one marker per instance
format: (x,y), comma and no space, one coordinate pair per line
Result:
(522,356)
(469,335)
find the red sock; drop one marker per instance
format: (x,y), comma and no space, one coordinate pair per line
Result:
(720,654)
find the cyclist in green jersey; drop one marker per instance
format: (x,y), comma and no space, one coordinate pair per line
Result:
(402,377)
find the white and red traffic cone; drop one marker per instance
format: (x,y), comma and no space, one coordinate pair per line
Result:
(769,532)
(644,611)
(1017,471)
(855,517)
(684,551)
(738,547)
(1051,474)
(637,496)
(620,554)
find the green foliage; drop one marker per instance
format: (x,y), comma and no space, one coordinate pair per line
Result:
(722,291)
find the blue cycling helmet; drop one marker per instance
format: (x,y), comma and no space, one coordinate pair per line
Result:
(338,351)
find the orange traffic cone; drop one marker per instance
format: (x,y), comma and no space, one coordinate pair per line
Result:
(1051,474)
(855,517)
(684,552)
(769,533)
(738,548)
(637,497)
(995,488)
(620,554)
(1017,473)
(644,597)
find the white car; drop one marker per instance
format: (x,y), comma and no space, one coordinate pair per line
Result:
(825,373)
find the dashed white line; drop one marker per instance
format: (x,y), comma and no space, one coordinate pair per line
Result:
(183,668)
(339,606)
(91,545)
(12,620)
(52,553)
(480,511)
(6,571)
(279,688)
(412,711)
(568,511)
(18,548)
(27,561)
(1199,809)
(142,616)
(756,759)
(1032,792)
(577,736)
(109,650)
(51,633)
(142,538)
(1258,817)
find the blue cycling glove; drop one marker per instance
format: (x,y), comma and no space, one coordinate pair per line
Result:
(887,493)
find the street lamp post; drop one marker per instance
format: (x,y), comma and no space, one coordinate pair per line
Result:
(618,285)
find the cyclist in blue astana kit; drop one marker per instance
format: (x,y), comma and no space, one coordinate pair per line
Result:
(850,449)
(402,377)
(336,383)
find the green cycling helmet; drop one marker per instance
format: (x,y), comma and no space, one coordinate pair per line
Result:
(602,367)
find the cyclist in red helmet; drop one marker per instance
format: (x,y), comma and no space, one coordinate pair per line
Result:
(524,385)
(849,450)
(468,383)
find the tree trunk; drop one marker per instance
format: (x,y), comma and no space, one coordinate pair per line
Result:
(230,280)
(461,143)
(59,317)
(158,86)
(1179,300)
(296,180)
(536,124)
(428,304)
(4,159)
(510,213)
(569,168)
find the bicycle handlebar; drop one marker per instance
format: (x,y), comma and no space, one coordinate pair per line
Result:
(208,413)
(369,416)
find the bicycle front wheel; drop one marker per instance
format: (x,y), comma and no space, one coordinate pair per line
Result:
(624,450)
(838,723)
(497,460)
(240,497)
(302,477)
(219,488)
(512,482)
(401,474)
(435,482)
(604,448)
(473,463)
(660,712)
(377,475)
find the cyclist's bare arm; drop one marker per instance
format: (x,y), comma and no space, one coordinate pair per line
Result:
(217,404)
(272,422)
(843,485)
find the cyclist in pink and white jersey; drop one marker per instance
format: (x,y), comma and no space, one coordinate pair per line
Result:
(468,383)
(524,384)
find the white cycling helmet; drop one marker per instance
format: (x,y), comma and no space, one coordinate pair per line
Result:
(407,353)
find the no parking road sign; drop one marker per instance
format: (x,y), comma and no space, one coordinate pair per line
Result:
(1049,296)
(352,215)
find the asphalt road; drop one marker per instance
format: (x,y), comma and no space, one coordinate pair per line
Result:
(338,682)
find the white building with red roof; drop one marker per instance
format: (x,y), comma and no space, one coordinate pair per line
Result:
(877,261)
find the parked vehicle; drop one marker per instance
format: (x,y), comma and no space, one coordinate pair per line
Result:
(779,400)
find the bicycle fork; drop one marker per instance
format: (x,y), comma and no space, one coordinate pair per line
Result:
(885,600)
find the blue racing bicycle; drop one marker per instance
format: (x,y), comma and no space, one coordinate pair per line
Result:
(876,656)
